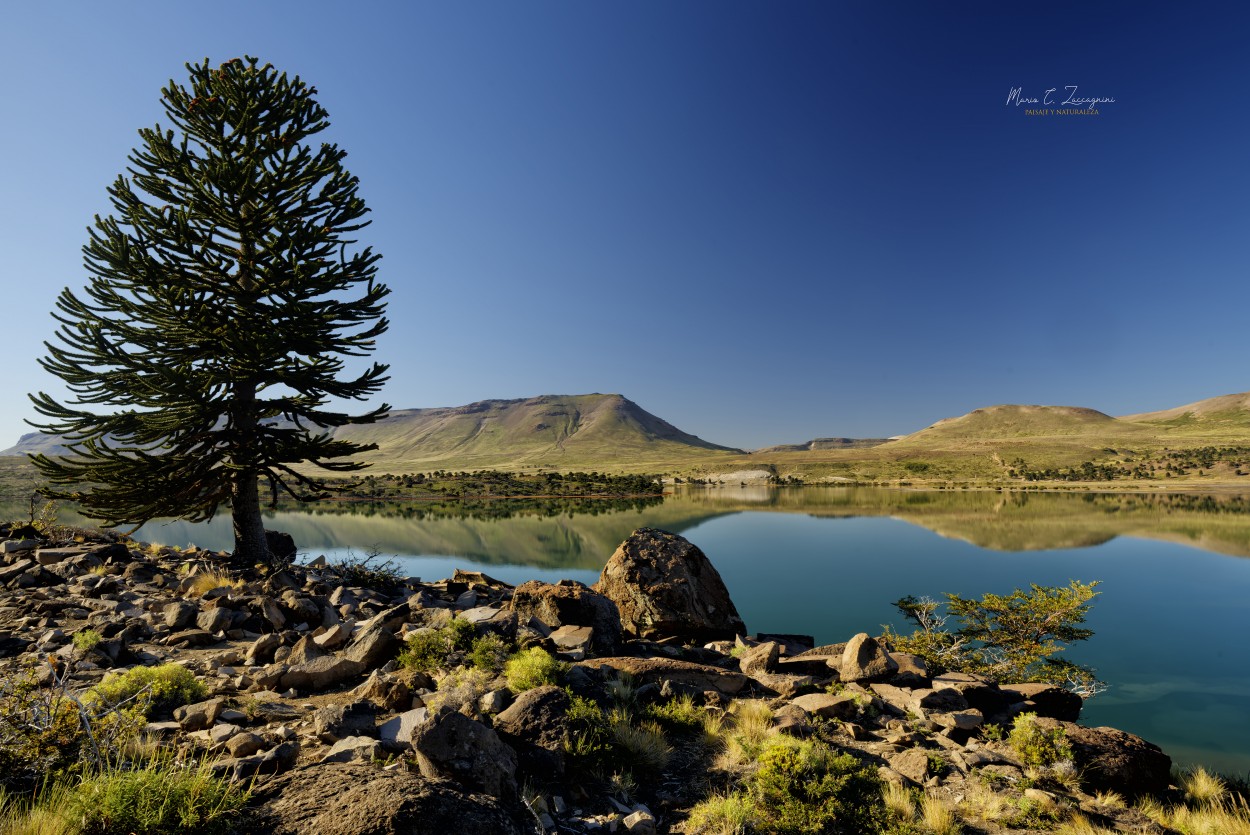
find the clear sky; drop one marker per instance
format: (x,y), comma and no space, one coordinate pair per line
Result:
(764,222)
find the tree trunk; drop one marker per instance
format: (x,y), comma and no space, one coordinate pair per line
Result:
(250,545)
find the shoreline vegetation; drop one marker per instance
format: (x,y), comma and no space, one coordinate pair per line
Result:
(283,699)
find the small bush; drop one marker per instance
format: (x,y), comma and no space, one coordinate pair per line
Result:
(205,581)
(370,571)
(431,648)
(490,653)
(722,814)
(808,789)
(44,731)
(87,639)
(155,689)
(532,668)
(643,746)
(1036,746)
(680,715)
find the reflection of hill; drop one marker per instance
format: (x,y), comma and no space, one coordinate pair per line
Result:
(582,540)
(582,535)
(1022,521)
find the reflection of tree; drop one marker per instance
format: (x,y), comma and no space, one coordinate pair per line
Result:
(548,507)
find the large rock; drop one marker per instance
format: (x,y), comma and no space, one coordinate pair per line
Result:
(453,746)
(569,603)
(1045,700)
(321,673)
(664,586)
(537,726)
(1112,760)
(374,646)
(358,799)
(865,658)
(686,673)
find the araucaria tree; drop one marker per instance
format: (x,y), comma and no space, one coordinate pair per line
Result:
(225,293)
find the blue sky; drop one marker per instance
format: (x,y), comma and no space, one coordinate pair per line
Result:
(763,222)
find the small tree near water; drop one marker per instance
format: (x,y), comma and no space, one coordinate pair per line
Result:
(1007,638)
(224,295)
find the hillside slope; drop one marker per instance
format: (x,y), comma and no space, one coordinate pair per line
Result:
(563,431)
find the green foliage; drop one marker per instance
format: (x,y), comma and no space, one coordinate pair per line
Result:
(153,690)
(1007,638)
(222,297)
(161,797)
(1037,746)
(808,789)
(677,716)
(45,732)
(431,648)
(87,639)
(489,652)
(532,668)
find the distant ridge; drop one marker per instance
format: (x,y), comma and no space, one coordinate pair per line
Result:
(826,443)
(1225,408)
(1011,421)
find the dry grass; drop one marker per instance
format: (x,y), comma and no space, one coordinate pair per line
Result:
(938,818)
(747,730)
(205,581)
(1203,788)
(899,801)
(1078,824)
(49,814)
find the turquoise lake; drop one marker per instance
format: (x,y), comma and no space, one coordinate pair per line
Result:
(1169,623)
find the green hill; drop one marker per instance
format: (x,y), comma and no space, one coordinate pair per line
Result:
(587,431)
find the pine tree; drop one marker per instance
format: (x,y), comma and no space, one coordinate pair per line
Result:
(224,296)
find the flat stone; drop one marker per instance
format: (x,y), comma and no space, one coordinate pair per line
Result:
(828,705)
(352,749)
(397,732)
(648,670)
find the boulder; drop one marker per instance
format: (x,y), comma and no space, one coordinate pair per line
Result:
(390,693)
(658,670)
(245,744)
(452,746)
(1044,700)
(335,722)
(321,673)
(353,748)
(359,799)
(180,614)
(1113,760)
(373,646)
(569,603)
(664,586)
(829,706)
(536,725)
(760,659)
(396,733)
(865,658)
(201,715)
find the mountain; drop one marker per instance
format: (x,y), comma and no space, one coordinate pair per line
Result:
(563,431)
(35,443)
(1012,422)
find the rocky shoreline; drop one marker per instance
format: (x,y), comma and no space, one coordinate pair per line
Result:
(307,698)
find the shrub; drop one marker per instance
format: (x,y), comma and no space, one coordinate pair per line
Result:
(532,668)
(490,653)
(1004,637)
(370,571)
(87,639)
(432,648)
(153,689)
(722,814)
(46,732)
(808,789)
(1037,746)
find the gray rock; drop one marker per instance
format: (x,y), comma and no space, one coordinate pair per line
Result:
(865,658)
(245,744)
(569,603)
(450,745)
(321,673)
(664,586)
(761,658)
(305,650)
(358,799)
(262,649)
(216,619)
(335,722)
(352,749)
(390,693)
(198,716)
(659,670)
(17,569)
(396,733)
(374,646)
(830,706)
(334,637)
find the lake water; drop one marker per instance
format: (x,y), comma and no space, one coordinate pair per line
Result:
(1170,622)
